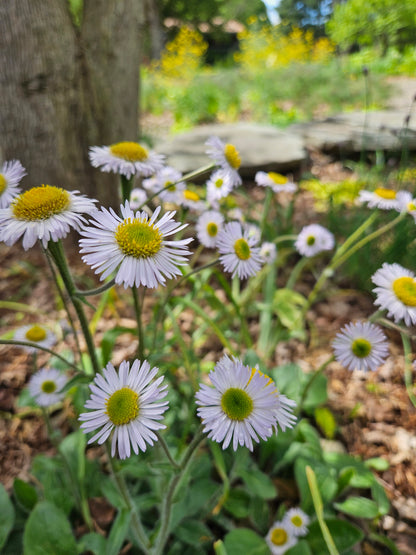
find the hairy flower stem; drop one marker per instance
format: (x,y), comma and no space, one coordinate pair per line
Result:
(408,380)
(165,516)
(58,255)
(36,346)
(138,310)
(126,185)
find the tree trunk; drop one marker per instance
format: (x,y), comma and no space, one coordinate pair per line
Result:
(65,88)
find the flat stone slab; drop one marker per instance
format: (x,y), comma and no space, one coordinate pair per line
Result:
(353,132)
(261,147)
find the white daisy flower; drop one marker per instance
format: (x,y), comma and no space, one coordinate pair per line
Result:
(296,521)
(383,198)
(227,157)
(406,203)
(314,239)
(280,539)
(46,213)
(254,232)
(190,199)
(243,405)
(35,333)
(236,214)
(396,292)
(361,346)
(208,226)
(239,253)
(165,177)
(138,197)
(134,246)
(11,174)
(127,405)
(45,386)
(218,186)
(126,158)
(268,252)
(277,182)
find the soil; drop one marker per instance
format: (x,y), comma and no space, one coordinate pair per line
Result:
(374,414)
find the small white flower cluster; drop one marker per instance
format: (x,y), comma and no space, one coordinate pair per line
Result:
(285,534)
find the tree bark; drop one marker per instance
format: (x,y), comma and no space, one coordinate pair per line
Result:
(65,88)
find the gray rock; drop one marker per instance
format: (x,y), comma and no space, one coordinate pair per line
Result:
(261,147)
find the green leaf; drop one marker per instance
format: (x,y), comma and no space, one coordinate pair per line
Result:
(92,542)
(324,418)
(344,534)
(384,540)
(118,532)
(288,305)
(7,515)
(301,548)
(345,477)
(57,488)
(73,449)
(358,506)
(243,540)
(258,483)
(193,532)
(288,379)
(378,463)
(238,503)
(48,531)
(317,394)
(380,497)
(25,494)
(326,481)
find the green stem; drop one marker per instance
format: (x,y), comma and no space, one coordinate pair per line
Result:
(314,376)
(30,344)
(136,523)
(266,208)
(58,255)
(266,314)
(168,499)
(126,187)
(138,305)
(165,448)
(408,367)
(355,235)
(97,291)
(297,271)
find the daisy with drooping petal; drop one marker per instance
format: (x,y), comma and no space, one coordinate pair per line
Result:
(35,333)
(208,226)
(268,252)
(45,386)
(242,406)
(277,182)
(126,158)
(239,253)
(46,213)
(227,157)
(171,178)
(361,346)
(296,521)
(314,239)
(218,186)
(280,539)
(138,197)
(126,404)
(381,197)
(134,246)
(11,174)
(396,292)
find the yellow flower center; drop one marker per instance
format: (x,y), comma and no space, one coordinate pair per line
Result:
(35,333)
(3,183)
(279,536)
(310,240)
(190,195)
(219,183)
(232,156)
(127,150)
(361,347)
(123,406)
(277,178)
(405,290)
(411,206)
(236,404)
(387,194)
(212,229)
(138,238)
(242,249)
(40,203)
(48,386)
(297,521)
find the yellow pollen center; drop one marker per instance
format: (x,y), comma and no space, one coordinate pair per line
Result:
(411,206)
(48,386)
(296,521)
(138,238)
(277,178)
(3,183)
(35,333)
(190,195)
(405,290)
(242,249)
(232,156)
(361,347)
(130,151)
(219,183)
(387,194)
(278,536)
(40,203)
(123,406)
(236,404)
(310,240)
(212,229)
